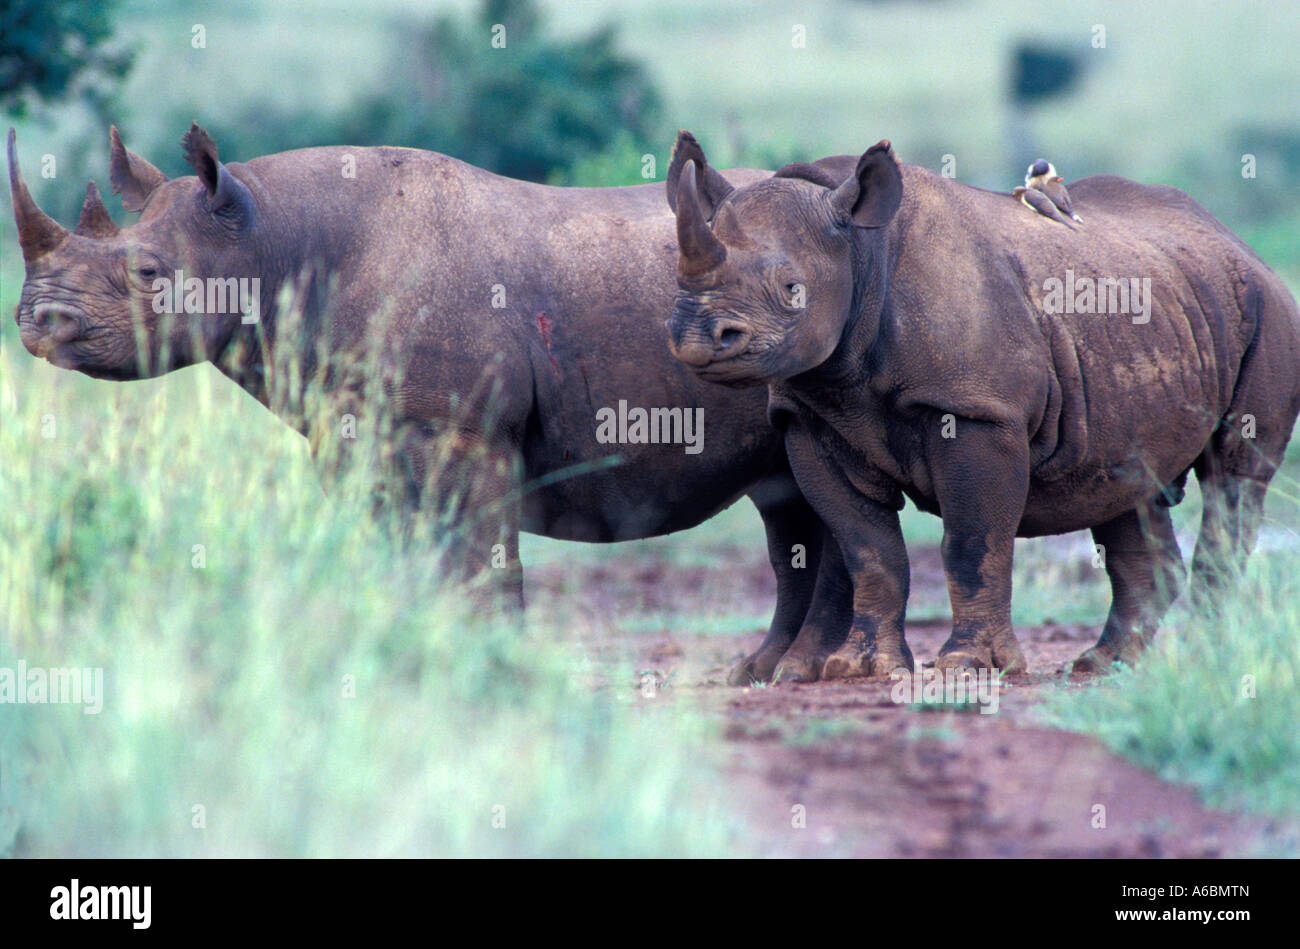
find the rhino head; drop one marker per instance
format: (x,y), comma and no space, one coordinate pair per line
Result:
(771,274)
(95,298)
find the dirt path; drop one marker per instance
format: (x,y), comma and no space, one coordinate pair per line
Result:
(866,776)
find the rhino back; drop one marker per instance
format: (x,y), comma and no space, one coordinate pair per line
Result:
(971,327)
(424,245)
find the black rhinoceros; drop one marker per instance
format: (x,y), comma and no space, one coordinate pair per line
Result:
(519,329)
(927,339)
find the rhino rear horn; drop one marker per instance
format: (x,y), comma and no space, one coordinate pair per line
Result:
(712,186)
(226,193)
(38,233)
(94,220)
(130,175)
(700,251)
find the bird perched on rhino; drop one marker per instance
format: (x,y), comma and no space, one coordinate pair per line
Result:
(1042,176)
(1041,203)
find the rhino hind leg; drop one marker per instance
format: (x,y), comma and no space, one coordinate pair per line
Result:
(827,622)
(1146,572)
(1247,446)
(794,548)
(1232,509)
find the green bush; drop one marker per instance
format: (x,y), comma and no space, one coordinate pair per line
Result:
(528,109)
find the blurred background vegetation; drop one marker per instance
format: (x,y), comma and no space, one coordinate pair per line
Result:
(1175,92)
(226,678)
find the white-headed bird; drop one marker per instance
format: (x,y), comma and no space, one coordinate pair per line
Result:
(1042,176)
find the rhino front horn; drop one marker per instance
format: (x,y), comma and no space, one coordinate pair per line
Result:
(38,233)
(700,251)
(94,220)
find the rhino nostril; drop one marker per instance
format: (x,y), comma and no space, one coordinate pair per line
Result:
(61,323)
(729,338)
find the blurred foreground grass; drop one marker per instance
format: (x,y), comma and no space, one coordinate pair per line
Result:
(311,690)
(1215,703)
(280,679)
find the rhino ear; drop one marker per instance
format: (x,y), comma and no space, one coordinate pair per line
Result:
(131,176)
(712,186)
(870,196)
(228,197)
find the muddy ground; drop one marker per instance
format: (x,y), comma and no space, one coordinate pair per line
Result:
(874,778)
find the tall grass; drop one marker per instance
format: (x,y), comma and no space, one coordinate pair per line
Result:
(1215,703)
(283,674)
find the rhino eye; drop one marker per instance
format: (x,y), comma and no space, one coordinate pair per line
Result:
(148,273)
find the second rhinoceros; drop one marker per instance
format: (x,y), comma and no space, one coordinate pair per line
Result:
(926,339)
(518,328)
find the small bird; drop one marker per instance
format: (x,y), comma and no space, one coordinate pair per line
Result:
(1041,203)
(1042,177)
(1038,172)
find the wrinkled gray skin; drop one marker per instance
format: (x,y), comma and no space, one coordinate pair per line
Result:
(924,363)
(414,247)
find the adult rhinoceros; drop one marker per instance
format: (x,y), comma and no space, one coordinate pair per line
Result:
(1014,376)
(509,319)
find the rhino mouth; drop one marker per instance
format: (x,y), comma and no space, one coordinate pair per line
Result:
(60,337)
(72,356)
(724,356)
(737,371)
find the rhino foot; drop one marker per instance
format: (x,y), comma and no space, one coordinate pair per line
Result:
(964,657)
(794,668)
(1124,647)
(1101,660)
(1004,653)
(1093,662)
(758,667)
(853,662)
(1007,655)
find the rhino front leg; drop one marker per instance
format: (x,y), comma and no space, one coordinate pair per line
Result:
(466,487)
(794,548)
(875,558)
(981,481)
(872,555)
(1146,574)
(461,486)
